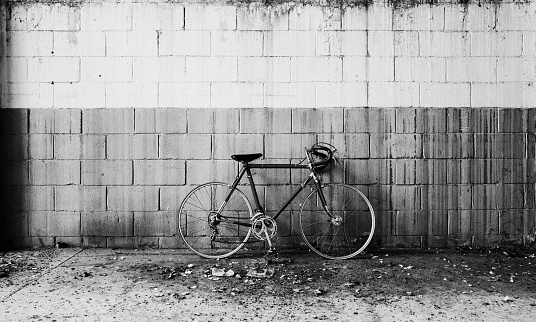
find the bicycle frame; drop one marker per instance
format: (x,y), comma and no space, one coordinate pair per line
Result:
(246,170)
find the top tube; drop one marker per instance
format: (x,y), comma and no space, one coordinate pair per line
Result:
(278,166)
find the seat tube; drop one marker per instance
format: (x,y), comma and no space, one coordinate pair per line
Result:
(253,190)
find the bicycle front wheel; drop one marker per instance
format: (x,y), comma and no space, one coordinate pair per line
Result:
(343,231)
(211,228)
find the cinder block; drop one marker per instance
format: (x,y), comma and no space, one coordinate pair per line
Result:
(171,242)
(478,120)
(180,146)
(406,43)
(227,144)
(236,43)
(37,223)
(132,43)
(374,120)
(431,120)
(80,198)
(184,43)
(166,69)
(171,197)
(317,69)
(395,146)
(315,18)
(128,95)
(55,121)
(107,172)
(52,17)
(79,95)
(200,120)
(40,146)
(106,16)
(13,121)
(200,69)
(210,17)
(108,121)
(406,198)
(474,17)
(63,223)
(284,95)
(159,172)
(444,44)
(515,17)
(189,95)
(107,224)
(393,94)
(516,69)
(528,96)
(106,69)
(261,18)
(341,43)
(529,42)
(37,198)
(420,18)
(15,70)
(381,43)
(54,172)
(501,44)
(265,121)
(133,198)
(78,147)
(368,69)
(289,43)
(54,69)
(349,146)
(513,120)
(27,95)
(264,69)
(93,242)
(155,223)
(496,95)
(29,43)
(317,120)
(157,16)
(226,121)
(445,95)
(83,43)
(471,69)
(341,94)
(14,173)
(513,171)
(171,121)
(376,17)
(239,95)
(406,120)
(420,69)
(287,146)
(441,146)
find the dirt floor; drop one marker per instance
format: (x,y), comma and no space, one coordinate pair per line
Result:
(389,285)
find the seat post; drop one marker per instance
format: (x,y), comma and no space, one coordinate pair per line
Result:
(258,206)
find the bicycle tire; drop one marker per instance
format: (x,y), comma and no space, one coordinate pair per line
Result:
(345,239)
(196,211)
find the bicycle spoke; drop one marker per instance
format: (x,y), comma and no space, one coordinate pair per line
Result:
(336,241)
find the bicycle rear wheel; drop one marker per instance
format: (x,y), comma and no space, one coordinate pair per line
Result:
(209,232)
(337,239)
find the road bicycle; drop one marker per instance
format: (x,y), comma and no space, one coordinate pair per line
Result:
(336,220)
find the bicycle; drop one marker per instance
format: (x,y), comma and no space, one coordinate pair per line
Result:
(336,220)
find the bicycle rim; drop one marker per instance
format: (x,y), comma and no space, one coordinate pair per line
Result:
(203,234)
(337,240)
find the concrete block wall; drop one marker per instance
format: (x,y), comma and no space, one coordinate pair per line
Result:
(111,111)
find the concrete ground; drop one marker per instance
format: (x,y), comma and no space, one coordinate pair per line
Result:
(76,284)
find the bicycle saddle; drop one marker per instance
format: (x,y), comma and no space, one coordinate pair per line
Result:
(246,157)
